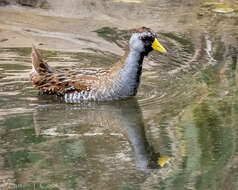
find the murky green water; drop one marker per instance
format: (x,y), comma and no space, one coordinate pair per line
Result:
(186,110)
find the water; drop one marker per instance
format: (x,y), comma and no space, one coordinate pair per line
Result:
(185,113)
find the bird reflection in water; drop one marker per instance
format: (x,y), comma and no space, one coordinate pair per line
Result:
(120,118)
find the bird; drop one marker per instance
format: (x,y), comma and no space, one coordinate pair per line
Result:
(119,81)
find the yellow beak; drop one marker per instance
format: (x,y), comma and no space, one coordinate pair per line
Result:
(158,47)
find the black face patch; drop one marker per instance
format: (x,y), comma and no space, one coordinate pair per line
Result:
(148,39)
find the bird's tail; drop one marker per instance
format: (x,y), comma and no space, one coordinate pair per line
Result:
(38,65)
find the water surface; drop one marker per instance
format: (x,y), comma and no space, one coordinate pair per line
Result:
(185,112)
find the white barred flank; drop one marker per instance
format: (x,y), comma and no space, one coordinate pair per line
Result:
(92,84)
(124,86)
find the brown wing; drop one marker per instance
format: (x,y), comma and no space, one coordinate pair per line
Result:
(59,82)
(38,64)
(50,81)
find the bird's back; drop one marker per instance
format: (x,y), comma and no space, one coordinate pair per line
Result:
(60,82)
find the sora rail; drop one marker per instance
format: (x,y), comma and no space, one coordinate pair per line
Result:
(119,81)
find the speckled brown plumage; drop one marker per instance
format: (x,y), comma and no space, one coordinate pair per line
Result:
(50,81)
(118,81)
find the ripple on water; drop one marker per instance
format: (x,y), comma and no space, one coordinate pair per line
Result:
(178,116)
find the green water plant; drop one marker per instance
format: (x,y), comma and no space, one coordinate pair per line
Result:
(219,7)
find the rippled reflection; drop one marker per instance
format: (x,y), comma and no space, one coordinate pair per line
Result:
(83,143)
(187,106)
(123,119)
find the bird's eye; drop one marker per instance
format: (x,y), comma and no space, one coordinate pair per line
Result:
(147,40)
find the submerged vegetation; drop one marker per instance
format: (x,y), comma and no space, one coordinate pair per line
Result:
(26,51)
(114,35)
(186,43)
(221,7)
(99,57)
(187,109)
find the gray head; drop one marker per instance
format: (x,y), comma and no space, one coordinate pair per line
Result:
(144,40)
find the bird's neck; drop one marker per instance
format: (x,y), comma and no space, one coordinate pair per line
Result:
(128,78)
